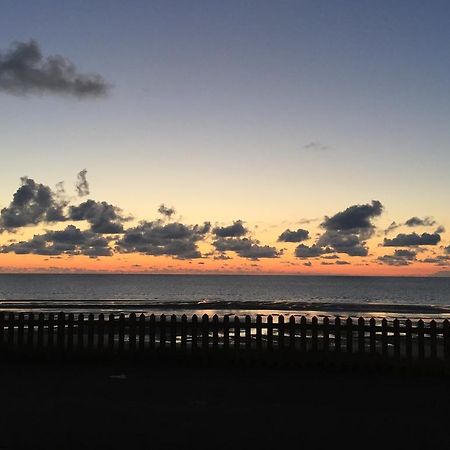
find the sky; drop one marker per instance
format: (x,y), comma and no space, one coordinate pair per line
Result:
(249,118)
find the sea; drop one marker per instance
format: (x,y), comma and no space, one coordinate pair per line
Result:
(227,294)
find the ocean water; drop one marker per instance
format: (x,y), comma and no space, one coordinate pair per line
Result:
(228,294)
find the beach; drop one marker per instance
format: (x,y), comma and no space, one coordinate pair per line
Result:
(87,405)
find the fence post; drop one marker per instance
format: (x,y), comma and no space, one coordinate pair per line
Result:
(258,332)
(50,330)
(420,340)
(349,337)
(121,332)
(141,332)
(269,332)
(61,332)
(30,330)
(40,332)
(152,332)
(101,332)
(111,333)
(337,335)
(70,332)
(372,336)
(162,332)
(194,332)
(292,333)
(215,332)
(205,332)
(314,336)
(303,336)
(408,338)
(326,335)
(361,335)
(248,333)
(280,332)
(173,332)
(2,328)
(433,343)
(132,332)
(20,330)
(396,339)
(80,332)
(11,320)
(446,326)
(183,333)
(237,333)
(384,338)
(226,332)
(90,333)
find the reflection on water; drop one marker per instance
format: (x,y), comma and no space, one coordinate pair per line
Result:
(355,296)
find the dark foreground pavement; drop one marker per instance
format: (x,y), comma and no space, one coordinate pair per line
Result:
(86,406)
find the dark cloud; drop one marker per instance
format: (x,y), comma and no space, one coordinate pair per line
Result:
(82,185)
(245,248)
(342,263)
(417,222)
(393,226)
(356,217)
(303,251)
(237,229)
(172,239)
(294,236)
(345,232)
(166,211)
(413,239)
(103,217)
(399,258)
(70,241)
(32,203)
(343,242)
(24,70)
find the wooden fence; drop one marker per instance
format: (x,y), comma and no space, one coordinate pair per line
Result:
(294,338)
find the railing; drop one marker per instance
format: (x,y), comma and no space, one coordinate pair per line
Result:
(296,338)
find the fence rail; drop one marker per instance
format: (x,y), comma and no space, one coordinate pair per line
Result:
(294,337)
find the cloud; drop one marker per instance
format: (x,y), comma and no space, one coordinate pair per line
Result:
(393,226)
(32,203)
(172,239)
(165,211)
(356,217)
(24,70)
(103,217)
(315,146)
(245,248)
(440,260)
(342,263)
(417,222)
(70,241)
(303,251)
(399,258)
(343,242)
(294,236)
(345,232)
(237,229)
(82,185)
(413,239)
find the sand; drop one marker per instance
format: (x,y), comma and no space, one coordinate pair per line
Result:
(113,406)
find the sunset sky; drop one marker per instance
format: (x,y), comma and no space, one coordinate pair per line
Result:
(297,137)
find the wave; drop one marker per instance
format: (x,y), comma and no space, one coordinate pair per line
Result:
(264,306)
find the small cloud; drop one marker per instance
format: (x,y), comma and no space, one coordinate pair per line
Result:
(82,185)
(24,70)
(315,146)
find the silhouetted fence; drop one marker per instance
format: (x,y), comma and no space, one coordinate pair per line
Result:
(296,337)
